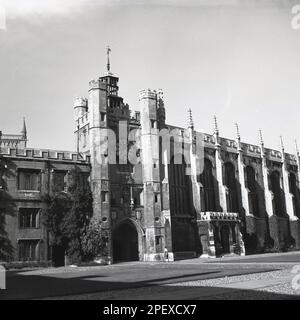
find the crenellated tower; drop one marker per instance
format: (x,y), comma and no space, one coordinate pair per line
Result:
(153,222)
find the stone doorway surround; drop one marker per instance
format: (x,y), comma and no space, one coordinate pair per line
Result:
(212,238)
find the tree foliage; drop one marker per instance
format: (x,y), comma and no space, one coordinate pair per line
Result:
(6,248)
(7,208)
(92,239)
(68,216)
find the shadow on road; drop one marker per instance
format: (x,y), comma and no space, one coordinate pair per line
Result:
(25,285)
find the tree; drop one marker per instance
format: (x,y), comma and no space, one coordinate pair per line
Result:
(54,219)
(6,248)
(92,239)
(7,208)
(67,216)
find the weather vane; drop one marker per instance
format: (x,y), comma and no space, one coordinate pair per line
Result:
(108,63)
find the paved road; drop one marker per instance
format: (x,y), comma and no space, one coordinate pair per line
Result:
(75,281)
(290,257)
(274,285)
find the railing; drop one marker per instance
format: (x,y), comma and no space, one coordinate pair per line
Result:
(222,216)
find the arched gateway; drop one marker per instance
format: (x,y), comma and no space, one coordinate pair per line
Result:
(125,242)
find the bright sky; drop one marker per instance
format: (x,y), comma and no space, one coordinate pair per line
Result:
(236,59)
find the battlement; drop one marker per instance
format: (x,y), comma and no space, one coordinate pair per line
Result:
(209,139)
(80,102)
(12,137)
(147,94)
(80,107)
(291,158)
(251,150)
(228,143)
(97,84)
(273,154)
(44,154)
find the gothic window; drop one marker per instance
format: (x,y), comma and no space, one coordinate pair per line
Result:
(292,183)
(138,196)
(59,181)
(85,181)
(153,124)
(28,218)
(28,250)
(125,167)
(29,179)
(230,183)
(84,138)
(103,116)
(293,190)
(276,189)
(113,200)
(207,181)
(252,187)
(179,188)
(126,195)
(104,196)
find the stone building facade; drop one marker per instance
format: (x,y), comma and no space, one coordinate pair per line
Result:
(223,197)
(237,198)
(27,175)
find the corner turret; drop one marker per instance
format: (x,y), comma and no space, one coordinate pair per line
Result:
(80,107)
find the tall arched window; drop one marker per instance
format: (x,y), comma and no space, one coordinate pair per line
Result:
(179,188)
(207,181)
(253,194)
(293,191)
(293,183)
(230,183)
(276,189)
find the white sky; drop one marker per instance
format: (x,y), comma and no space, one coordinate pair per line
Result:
(237,59)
